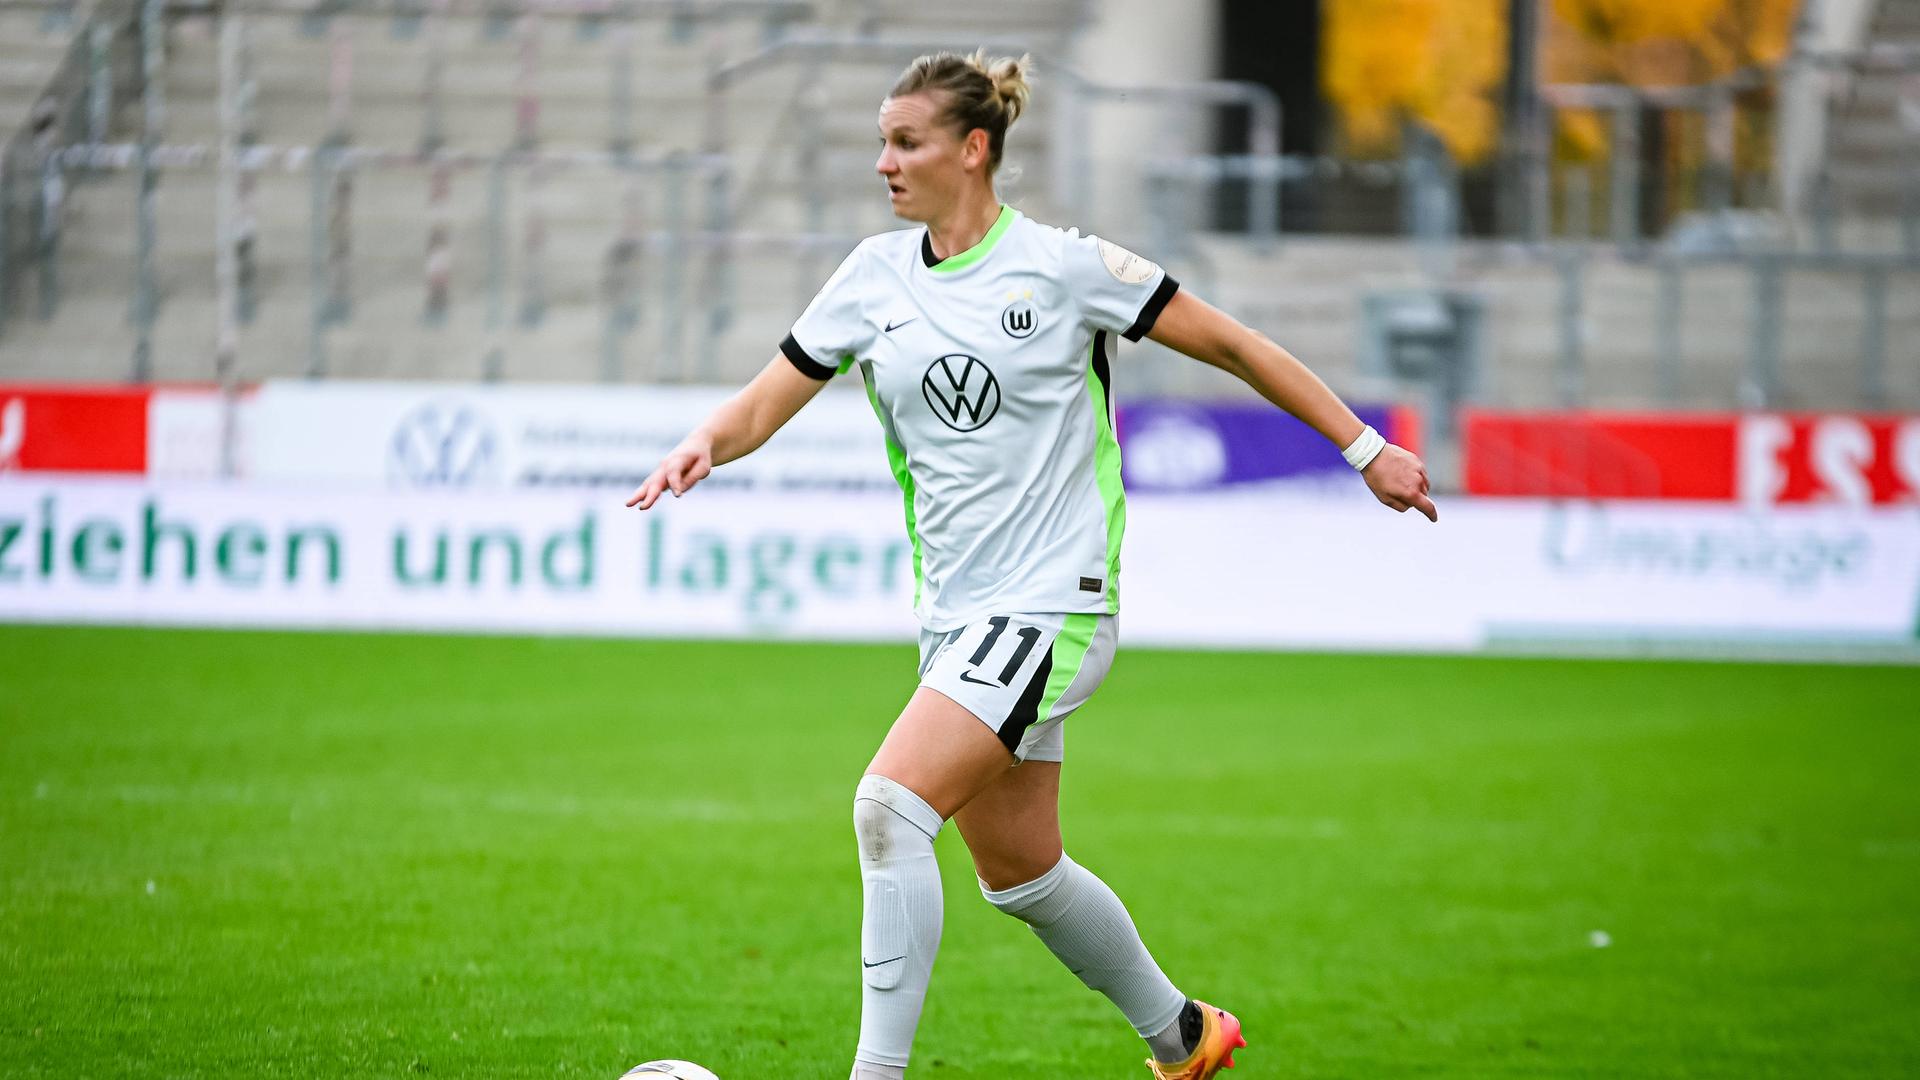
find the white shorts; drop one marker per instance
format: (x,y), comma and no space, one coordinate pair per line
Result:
(1022,674)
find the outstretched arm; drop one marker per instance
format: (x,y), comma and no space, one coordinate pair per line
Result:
(1204,332)
(737,428)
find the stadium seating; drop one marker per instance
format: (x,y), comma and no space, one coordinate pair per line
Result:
(31,47)
(529,276)
(1874,141)
(579,209)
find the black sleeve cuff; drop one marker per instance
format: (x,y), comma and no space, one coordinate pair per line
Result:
(1154,306)
(808,366)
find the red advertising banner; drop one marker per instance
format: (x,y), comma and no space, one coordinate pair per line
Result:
(1848,460)
(73,428)
(1757,458)
(1599,456)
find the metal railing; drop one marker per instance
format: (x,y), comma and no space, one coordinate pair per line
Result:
(1625,108)
(1714,174)
(1261,166)
(1766,273)
(1070,165)
(1840,72)
(679,223)
(121,51)
(74,106)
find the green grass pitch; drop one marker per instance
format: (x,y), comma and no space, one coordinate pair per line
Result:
(228,854)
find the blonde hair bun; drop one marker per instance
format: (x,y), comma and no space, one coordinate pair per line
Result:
(1009,78)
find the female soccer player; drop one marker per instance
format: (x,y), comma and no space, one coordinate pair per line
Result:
(985,341)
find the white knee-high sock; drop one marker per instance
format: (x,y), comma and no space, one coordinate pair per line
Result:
(900,919)
(1088,929)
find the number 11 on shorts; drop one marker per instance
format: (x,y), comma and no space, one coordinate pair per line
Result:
(1029,637)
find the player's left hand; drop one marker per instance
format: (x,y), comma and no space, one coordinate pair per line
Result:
(1398,479)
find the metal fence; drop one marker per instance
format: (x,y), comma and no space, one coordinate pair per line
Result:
(682,217)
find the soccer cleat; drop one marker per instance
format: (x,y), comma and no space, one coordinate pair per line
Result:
(1219,1038)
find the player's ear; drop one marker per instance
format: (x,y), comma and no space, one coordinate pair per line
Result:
(973,152)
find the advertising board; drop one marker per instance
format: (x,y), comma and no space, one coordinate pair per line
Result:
(430,435)
(49,428)
(1205,570)
(1171,445)
(446,436)
(1761,459)
(449,436)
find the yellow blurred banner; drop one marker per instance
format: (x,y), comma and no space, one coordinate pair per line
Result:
(1442,63)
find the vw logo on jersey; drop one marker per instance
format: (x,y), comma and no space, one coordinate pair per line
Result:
(1019,319)
(961,391)
(442,445)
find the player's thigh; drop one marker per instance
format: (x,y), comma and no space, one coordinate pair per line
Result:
(991,693)
(1012,827)
(940,752)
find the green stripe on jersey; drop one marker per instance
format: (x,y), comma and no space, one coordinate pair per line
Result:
(1069,652)
(978,251)
(1106,469)
(897,458)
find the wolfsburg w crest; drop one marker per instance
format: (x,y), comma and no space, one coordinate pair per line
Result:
(961,392)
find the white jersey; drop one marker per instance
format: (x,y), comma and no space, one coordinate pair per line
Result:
(990,374)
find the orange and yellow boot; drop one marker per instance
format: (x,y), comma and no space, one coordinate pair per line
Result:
(1219,1038)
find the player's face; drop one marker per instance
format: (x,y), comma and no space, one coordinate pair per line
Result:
(921,159)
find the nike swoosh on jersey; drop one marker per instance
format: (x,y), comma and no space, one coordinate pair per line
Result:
(892,326)
(877,963)
(966,677)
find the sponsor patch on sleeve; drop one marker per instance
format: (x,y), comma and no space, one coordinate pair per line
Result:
(1124,265)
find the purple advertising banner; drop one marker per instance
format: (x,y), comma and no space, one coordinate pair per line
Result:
(1199,446)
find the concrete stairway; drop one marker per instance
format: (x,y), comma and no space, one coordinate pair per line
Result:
(1874,139)
(796,125)
(31,48)
(1308,294)
(802,133)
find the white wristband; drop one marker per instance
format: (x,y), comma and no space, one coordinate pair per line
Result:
(1365,449)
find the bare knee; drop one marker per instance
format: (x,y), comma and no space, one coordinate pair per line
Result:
(1013,828)
(1004,869)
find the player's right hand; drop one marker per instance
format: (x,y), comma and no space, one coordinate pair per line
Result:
(689,464)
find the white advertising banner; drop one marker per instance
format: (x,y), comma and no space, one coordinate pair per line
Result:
(414,436)
(1258,571)
(1213,570)
(721,565)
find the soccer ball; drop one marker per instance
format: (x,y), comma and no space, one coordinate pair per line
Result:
(670,1069)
